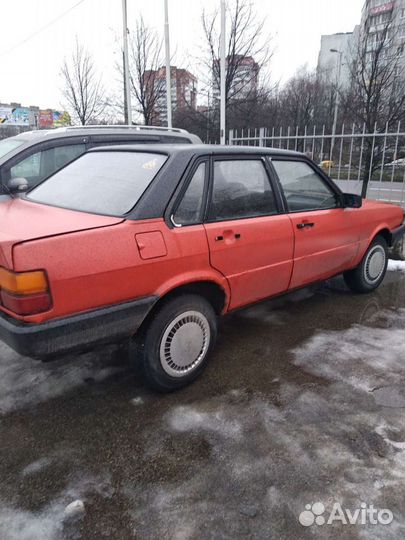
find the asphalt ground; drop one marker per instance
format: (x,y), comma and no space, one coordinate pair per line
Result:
(303,402)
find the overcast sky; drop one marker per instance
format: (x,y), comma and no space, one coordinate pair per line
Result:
(30,64)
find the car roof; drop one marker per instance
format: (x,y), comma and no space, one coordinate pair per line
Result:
(197,149)
(95,130)
(30,138)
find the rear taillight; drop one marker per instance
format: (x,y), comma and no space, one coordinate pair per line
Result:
(24,293)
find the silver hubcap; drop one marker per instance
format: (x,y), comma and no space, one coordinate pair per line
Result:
(185,343)
(374,265)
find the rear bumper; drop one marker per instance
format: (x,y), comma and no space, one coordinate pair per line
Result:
(78,332)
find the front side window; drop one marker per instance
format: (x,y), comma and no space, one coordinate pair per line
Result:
(190,208)
(42,164)
(10,144)
(241,189)
(109,183)
(303,188)
(27,168)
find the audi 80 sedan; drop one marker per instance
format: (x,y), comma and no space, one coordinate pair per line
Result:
(153,243)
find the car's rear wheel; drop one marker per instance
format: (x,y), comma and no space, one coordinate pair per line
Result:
(177,341)
(371,271)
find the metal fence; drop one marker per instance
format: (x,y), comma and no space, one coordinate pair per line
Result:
(351,157)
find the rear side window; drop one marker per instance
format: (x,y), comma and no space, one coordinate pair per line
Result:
(189,210)
(241,189)
(303,188)
(108,183)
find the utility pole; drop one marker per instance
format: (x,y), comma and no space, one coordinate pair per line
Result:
(335,114)
(127,88)
(168,74)
(222,74)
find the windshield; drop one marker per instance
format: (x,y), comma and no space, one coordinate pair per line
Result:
(9,144)
(109,183)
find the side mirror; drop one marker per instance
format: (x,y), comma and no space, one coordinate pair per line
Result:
(350,200)
(17,185)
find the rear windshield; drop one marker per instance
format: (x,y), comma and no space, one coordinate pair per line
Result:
(108,183)
(9,144)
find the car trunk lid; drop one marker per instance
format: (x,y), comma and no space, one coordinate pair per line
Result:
(22,221)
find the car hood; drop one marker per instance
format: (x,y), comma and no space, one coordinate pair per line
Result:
(22,220)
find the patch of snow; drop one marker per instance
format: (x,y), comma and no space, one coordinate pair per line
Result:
(382,430)
(25,382)
(36,466)
(363,357)
(48,522)
(74,508)
(396,266)
(188,418)
(17,524)
(137,401)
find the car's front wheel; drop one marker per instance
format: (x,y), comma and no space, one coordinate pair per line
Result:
(177,342)
(371,271)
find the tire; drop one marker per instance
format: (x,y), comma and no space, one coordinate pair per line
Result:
(177,342)
(371,271)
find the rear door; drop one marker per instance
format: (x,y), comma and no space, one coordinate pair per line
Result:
(251,243)
(326,238)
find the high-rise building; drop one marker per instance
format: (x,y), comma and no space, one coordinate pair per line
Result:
(375,18)
(246,77)
(337,48)
(183,91)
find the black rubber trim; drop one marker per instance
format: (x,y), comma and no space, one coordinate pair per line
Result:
(397,233)
(78,332)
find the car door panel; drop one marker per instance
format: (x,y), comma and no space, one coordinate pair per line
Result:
(250,242)
(255,255)
(326,240)
(325,248)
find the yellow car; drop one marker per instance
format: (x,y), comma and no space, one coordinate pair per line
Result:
(327,164)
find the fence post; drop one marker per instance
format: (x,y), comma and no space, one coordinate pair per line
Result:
(231,136)
(261,137)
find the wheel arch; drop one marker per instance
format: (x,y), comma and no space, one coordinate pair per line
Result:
(211,290)
(385,233)
(382,230)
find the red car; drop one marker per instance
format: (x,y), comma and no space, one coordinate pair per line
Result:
(155,242)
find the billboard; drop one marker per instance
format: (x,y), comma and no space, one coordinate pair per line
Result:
(45,119)
(14,116)
(61,119)
(382,8)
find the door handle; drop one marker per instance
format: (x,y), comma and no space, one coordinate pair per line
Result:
(305,225)
(228,235)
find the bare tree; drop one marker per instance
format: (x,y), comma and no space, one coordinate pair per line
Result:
(376,98)
(246,40)
(83,89)
(145,60)
(307,99)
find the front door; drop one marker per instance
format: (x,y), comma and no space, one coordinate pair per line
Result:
(250,243)
(326,240)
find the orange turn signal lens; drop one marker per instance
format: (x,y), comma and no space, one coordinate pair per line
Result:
(23,282)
